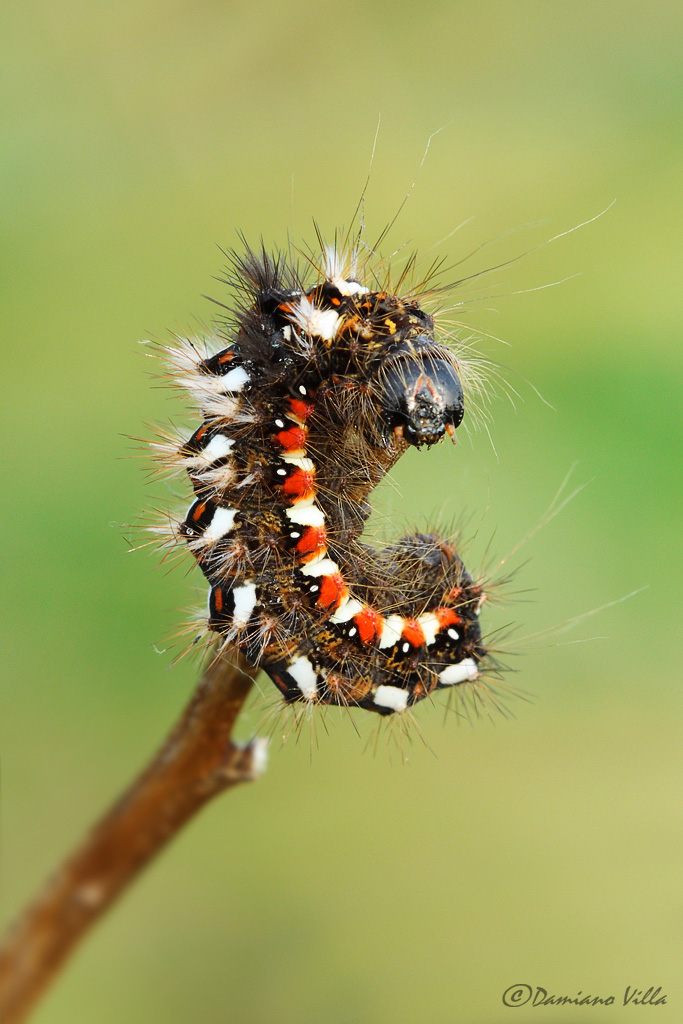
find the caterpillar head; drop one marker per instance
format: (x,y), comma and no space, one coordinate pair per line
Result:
(421,394)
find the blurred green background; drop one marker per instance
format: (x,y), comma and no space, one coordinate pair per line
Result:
(346,886)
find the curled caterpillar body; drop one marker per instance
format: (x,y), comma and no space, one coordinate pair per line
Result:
(316,392)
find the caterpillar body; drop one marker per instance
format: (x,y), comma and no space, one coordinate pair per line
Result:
(311,392)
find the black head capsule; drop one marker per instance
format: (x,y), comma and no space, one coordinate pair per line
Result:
(422,395)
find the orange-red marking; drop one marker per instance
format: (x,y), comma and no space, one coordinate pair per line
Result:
(302,410)
(369,623)
(332,590)
(447,617)
(312,543)
(292,439)
(412,632)
(300,484)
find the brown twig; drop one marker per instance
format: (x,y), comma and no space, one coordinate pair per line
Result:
(197,761)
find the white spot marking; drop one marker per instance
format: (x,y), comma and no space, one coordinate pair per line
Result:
(222,522)
(300,461)
(391,631)
(467,669)
(282,472)
(349,287)
(210,384)
(233,380)
(218,447)
(302,390)
(430,626)
(306,515)
(245,602)
(305,676)
(287,332)
(320,567)
(339,264)
(453,634)
(294,534)
(314,589)
(391,697)
(405,648)
(321,323)
(352,632)
(346,610)
(279,423)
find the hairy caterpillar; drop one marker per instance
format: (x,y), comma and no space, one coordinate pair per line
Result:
(312,388)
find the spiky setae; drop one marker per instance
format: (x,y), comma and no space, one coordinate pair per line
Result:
(310,389)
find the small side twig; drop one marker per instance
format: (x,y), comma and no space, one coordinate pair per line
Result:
(197,761)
